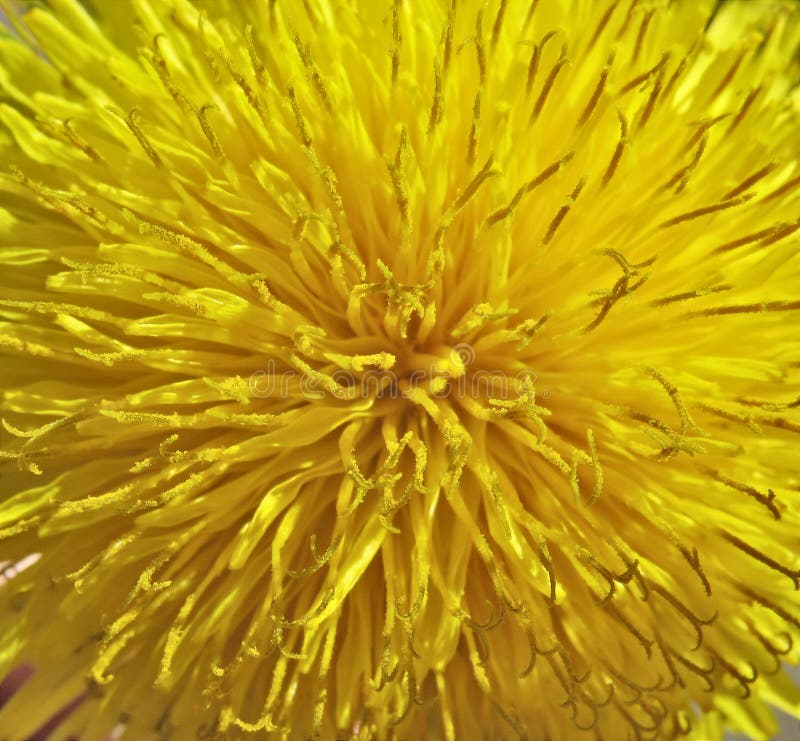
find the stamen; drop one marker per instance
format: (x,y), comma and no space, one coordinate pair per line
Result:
(312,72)
(681,177)
(208,52)
(746,419)
(99,672)
(542,553)
(208,130)
(437,106)
(528,187)
(704,125)
(598,471)
(784,230)
(603,23)
(535,650)
(397,40)
(324,668)
(549,82)
(752,180)
(399,182)
(273,15)
(130,122)
(305,137)
(638,689)
(672,391)
(666,654)
(679,70)
(651,100)
(621,145)
(480,54)
(702,672)
(475,128)
(531,10)
(770,605)
(693,559)
(787,187)
(498,23)
(186,244)
(313,613)
(483,175)
(687,295)
(319,560)
(793,574)
(386,674)
(258,67)
(620,289)
(477,317)
(511,718)
(639,729)
(155,59)
(527,330)
(645,642)
(19,527)
(644,77)
(30,348)
(628,17)
(633,568)
(697,623)
(637,49)
(689,215)
(308,7)
(769,405)
(51,307)
(729,75)
(563,211)
(744,681)
(497,498)
(774,651)
(598,90)
(252,97)
(586,556)
(743,109)
(747,309)
(533,65)
(447,42)
(79,142)
(758,236)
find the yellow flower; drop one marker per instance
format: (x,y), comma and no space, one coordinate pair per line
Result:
(400,368)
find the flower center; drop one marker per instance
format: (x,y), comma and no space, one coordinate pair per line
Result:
(436,372)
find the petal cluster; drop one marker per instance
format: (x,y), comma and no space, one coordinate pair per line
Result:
(400,369)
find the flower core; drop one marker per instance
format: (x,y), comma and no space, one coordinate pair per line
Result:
(394,369)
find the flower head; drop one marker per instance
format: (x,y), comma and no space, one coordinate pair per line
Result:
(413,369)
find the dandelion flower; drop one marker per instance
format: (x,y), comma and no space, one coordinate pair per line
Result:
(395,369)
